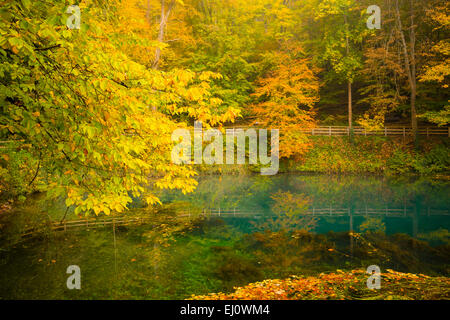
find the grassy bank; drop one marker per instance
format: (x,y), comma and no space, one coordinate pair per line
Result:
(375,155)
(359,154)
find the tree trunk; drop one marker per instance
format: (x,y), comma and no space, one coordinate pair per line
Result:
(412,37)
(413,112)
(147,12)
(350,105)
(349,83)
(162,27)
(410,63)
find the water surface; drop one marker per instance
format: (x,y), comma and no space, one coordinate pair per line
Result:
(234,230)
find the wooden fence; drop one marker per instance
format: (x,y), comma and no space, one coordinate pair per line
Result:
(343,131)
(360,131)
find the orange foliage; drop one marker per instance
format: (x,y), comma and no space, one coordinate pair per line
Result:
(339,286)
(286,97)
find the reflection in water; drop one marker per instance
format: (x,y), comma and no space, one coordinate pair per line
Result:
(235,230)
(290,213)
(341,203)
(374,224)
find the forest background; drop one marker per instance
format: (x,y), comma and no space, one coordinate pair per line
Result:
(87,114)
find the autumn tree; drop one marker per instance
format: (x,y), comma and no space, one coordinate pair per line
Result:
(344,30)
(408,48)
(166,9)
(286,96)
(383,78)
(437,70)
(80,105)
(399,61)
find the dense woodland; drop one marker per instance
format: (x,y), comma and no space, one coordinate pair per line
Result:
(92,91)
(88,113)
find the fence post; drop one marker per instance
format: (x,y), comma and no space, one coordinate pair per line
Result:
(385,131)
(448,132)
(427,132)
(312,131)
(404,132)
(329,130)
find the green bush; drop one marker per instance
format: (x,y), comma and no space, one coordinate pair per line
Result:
(436,160)
(400,162)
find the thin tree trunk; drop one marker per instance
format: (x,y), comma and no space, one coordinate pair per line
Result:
(349,83)
(162,26)
(147,13)
(410,65)
(413,71)
(160,36)
(350,105)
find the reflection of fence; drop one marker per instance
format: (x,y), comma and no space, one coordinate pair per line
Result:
(88,223)
(404,212)
(235,212)
(387,131)
(332,211)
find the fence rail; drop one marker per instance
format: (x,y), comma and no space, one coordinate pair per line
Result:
(387,131)
(338,131)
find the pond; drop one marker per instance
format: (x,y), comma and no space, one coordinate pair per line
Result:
(234,230)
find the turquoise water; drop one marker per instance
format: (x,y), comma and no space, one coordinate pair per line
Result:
(408,205)
(234,230)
